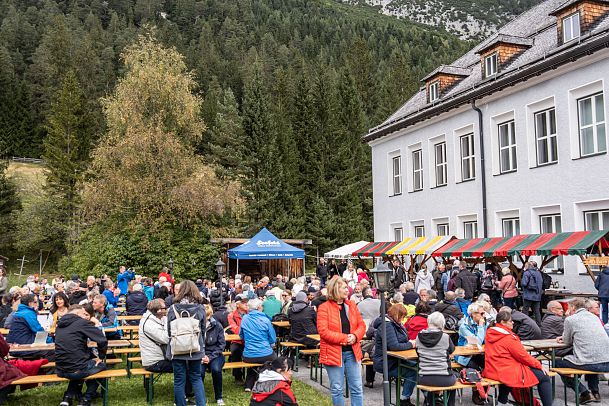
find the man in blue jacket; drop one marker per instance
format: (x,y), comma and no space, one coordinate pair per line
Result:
(602,285)
(124,277)
(532,289)
(24,327)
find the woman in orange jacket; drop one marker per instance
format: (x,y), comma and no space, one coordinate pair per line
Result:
(341,327)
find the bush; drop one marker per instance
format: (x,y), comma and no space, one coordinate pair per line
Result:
(102,251)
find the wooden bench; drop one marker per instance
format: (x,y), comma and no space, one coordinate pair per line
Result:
(103,376)
(290,344)
(457,386)
(110,361)
(576,374)
(313,354)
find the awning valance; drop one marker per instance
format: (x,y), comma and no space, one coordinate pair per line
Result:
(346,251)
(374,249)
(568,243)
(419,245)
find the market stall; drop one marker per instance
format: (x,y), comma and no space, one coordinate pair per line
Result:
(346,251)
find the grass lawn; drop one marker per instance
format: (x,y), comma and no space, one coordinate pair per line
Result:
(130,392)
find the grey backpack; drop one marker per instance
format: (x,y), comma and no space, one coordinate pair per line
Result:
(185,332)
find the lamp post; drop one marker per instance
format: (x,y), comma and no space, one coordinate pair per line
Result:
(170,263)
(220,270)
(382,280)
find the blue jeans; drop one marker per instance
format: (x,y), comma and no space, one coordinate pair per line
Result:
(191,370)
(410,379)
(591,379)
(604,308)
(352,370)
(74,390)
(509,302)
(215,366)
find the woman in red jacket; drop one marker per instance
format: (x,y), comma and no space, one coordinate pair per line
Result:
(341,329)
(508,362)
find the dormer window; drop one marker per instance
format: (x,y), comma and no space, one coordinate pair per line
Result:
(490,65)
(434,91)
(571,27)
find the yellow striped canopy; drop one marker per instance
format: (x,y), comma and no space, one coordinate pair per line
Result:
(419,245)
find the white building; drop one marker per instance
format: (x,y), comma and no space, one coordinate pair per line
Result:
(509,139)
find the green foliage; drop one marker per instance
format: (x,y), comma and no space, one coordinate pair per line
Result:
(9,203)
(101,250)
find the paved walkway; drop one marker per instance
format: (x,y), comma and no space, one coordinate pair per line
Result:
(374,396)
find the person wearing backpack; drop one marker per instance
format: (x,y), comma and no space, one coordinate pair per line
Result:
(532,289)
(186,325)
(507,361)
(507,286)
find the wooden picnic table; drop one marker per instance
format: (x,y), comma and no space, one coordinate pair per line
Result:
(4,331)
(130,318)
(465,350)
(232,337)
(315,337)
(51,346)
(541,345)
(281,323)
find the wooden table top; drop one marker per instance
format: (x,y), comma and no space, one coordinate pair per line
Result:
(232,337)
(315,337)
(51,346)
(131,318)
(462,351)
(543,344)
(281,323)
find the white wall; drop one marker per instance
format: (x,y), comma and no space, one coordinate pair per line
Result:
(571,186)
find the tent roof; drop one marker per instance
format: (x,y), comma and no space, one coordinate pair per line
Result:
(569,243)
(374,249)
(265,245)
(419,245)
(345,251)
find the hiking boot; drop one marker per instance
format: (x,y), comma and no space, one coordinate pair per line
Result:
(67,401)
(406,402)
(597,397)
(586,398)
(220,402)
(369,384)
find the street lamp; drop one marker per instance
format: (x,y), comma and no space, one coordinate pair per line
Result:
(220,265)
(382,280)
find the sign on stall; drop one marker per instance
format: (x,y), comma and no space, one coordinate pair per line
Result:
(596,261)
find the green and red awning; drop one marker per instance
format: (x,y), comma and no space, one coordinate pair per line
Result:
(571,243)
(375,249)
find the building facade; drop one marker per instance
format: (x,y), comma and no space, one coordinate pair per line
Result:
(509,139)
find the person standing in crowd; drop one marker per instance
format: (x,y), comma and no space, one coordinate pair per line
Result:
(124,277)
(187,303)
(438,276)
(350,275)
(303,321)
(602,285)
(507,287)
(271,306)
(213,360)
(397,340)
(467,281)
(3,282)
(259,336)
(399,274)
(322,271)
(273,387)
(236,347)
(153,337)
(507,361)
(136,303)
(370,308)
(433,349)
(424,280)
(341,328)
(532,289)
(590,342)
(73,357)
(59,308)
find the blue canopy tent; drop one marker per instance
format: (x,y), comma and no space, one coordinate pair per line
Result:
(265,245)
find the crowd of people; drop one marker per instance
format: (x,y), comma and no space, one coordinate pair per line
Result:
(183,326)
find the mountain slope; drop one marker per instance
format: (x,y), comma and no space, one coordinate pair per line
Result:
(467,19)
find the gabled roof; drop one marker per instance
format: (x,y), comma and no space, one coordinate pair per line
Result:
(265,245)
(505,39)
(570,3)
(537,27)
(448,70)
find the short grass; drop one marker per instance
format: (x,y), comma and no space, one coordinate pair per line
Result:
(130,392)
(30,178)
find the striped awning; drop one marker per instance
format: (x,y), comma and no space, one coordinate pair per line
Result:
(374,249)
(419,245)
(571,243)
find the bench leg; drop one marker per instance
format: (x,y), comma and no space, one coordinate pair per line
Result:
(104,384)
(576,389)
(296,360)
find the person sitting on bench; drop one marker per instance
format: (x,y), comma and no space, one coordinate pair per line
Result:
(154,338)
(24,327)
(74,359)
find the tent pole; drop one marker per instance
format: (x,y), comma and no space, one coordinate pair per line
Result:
(304,259)
(237,265)
(289,269)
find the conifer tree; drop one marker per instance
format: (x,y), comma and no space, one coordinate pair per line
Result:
(226,140)
(9,204)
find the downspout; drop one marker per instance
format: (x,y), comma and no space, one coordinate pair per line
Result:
(482,170)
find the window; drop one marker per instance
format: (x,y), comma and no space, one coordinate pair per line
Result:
(507,147)
(591,112)
(441,164)
(511,227)
(490,65)
(551,223)
(417,170)
(545,134)
(434,91)
(570,27)
(596,220)
(396,165)
(419,231)
(468,163)
(443,229)
(470,229)
(398,234)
